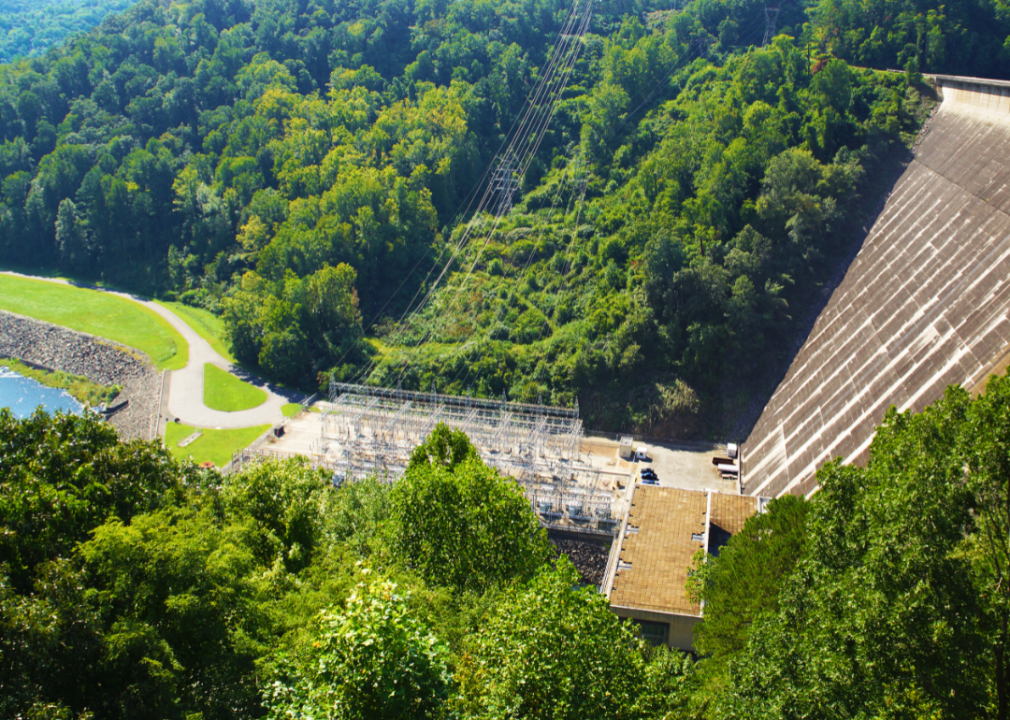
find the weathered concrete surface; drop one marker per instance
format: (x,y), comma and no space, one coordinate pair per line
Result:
(924,305)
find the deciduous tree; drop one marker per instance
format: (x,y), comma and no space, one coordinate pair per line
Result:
(460,523)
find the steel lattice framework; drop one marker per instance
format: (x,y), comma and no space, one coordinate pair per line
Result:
(368,430)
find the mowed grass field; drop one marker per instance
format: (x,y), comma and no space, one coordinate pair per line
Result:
(223,391)
(216,446)
(205,323)
(90,311)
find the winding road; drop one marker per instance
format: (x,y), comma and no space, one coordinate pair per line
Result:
(184,389)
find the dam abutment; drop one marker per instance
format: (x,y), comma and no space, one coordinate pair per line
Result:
(924,304)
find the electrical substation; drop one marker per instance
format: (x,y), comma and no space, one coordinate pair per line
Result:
(365,430)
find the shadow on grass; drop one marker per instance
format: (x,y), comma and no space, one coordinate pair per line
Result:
(243,373)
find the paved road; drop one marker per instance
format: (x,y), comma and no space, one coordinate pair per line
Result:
(185,388)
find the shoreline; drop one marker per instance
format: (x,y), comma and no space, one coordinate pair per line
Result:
(102,362)
(86,392)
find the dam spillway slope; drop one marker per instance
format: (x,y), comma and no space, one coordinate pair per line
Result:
(924,305)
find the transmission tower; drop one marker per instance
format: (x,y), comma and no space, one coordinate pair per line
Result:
(504,184)
(771,18)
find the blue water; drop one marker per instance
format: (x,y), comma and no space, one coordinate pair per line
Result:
(22,395)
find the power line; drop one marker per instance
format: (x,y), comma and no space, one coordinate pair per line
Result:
(529,123)
(503,186)
(531,134)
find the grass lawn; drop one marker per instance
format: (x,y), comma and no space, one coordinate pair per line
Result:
(90,311)
(216,446)
(205,323)
(223,391)
(290,409)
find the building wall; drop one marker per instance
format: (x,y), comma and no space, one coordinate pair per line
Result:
(680,628)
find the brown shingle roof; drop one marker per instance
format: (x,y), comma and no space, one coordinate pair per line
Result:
(659,545)
(661,551)
(730,512)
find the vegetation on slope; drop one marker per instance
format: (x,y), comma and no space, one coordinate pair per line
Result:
(299,166)
(30,27)
(681,279)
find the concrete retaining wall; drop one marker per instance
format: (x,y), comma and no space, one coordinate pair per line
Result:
(975,96)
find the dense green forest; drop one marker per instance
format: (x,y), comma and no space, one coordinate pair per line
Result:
(135,587)
(310,170)
(30,27)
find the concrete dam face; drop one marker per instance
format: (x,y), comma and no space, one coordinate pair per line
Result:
(924,305)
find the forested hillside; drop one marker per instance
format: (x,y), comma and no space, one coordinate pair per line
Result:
(133,587)
(30,27)
(308,169)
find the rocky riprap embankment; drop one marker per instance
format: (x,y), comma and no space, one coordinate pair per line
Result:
(97,359)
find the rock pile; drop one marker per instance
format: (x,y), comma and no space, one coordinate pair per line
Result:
(588,556)
(97,359)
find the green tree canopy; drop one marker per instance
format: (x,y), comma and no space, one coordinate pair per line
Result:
(743,581)
(553,650)
(883,615)
(63,475)
(985,443)
(286,501)
(373,658)
(460,523)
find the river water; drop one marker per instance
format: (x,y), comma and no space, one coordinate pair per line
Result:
(22,395)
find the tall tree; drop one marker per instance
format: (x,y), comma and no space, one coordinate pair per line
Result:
(70,237)
(460,523)
(986,445)
(742,583)
(372,658)
(552,650)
